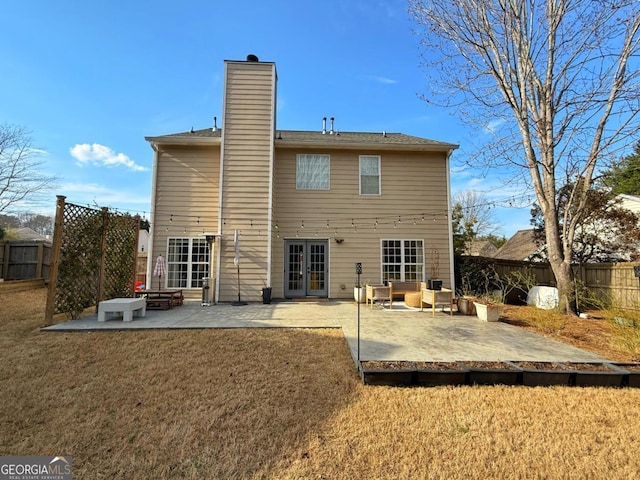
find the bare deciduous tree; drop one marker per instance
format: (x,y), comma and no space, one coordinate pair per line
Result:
(20,176)
(555,81)
(476,209)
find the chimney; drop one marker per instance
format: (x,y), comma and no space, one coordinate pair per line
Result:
(215,124)
(324,125)
(331,131)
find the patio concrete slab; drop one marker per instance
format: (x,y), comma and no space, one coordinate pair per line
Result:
(402,333)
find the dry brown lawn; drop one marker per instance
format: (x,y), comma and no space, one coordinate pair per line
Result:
(283,404)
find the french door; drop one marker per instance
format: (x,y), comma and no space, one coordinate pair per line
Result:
(305,268)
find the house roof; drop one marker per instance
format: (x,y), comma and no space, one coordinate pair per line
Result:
(25,233)
(519,247)
(630,202)
(302,138)
(481,248)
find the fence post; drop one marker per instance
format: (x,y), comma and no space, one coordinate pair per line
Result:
(5,262)
(103,256)
(55,259)
(135,255)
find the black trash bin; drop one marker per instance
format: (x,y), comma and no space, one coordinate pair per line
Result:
(266,295)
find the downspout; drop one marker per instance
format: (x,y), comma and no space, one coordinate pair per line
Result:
(449,219)
(271,168)
(216,294)
(152,213)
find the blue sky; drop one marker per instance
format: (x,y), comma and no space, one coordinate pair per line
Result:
(91,79)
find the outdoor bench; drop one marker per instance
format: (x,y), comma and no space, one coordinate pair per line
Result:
(398,289)
(124,305)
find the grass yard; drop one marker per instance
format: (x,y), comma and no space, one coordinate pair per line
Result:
(288,404)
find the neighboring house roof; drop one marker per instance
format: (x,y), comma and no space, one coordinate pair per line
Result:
(300,138)
(25,233)
(519,247)
(630,202)
(481,248)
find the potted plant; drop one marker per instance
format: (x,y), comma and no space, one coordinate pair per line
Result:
(489,307)
(359,293)
(465,304)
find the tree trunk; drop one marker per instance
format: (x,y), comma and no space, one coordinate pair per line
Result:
(565,284)
(559,257)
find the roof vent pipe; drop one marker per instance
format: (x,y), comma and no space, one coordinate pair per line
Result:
(331,131)
(215,124)
(324,125)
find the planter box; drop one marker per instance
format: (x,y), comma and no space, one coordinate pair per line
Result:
(359,294)
(543,374)
(488,313)
(493,373)
(632,377)
(434,374)
(597,374)
(466,306)
(387,373)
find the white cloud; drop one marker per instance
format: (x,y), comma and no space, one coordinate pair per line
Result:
(100,155)
(383,80)
(493,125)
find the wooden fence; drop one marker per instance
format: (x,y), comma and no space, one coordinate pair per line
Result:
(611,283)
(25,260)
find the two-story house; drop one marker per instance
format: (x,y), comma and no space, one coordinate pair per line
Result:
(298,209)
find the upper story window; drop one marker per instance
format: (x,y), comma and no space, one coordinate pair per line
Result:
(312,172)
(369,175)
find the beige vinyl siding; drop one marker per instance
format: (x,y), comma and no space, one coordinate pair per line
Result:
(186,188)
(248,130)
(412,184)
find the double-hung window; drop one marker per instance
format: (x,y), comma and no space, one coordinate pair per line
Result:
(369,175)
(403,260)
(187,262)
(312,172)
